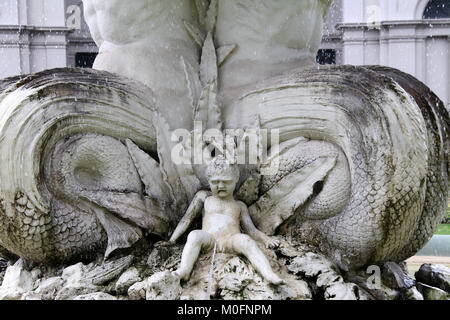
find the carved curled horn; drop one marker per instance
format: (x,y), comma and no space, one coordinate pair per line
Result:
(92,113)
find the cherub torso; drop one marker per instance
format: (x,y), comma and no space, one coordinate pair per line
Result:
(221,218)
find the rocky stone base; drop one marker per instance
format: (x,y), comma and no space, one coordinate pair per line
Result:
(3,266)
(148,274)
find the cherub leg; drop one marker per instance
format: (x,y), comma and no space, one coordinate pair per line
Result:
(196,241)
(246,246)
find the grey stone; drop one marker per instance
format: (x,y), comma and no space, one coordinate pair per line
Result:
(434,275)
(75,283)
(301,288)
(342,291)
(31,296)
(17,281)
(328,278)
(72,290)
(3,267)
(99,275)
(235,275)
(49,288)
(164,256)
(74,273)
(163,286)
(96,296)
(375,289)
(310,264)
(126,280)
(413,294)
(119,111)
(364,295)
(432,293)
(395,277)
(138,291)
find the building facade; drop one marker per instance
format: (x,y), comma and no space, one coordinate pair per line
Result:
(410,35)
(42,34)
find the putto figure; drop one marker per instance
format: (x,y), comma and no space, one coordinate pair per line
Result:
(222,218)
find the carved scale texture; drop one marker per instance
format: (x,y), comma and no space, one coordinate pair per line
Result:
(393,132)
(39,217)
(396,145)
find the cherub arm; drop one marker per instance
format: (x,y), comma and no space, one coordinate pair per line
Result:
(252,231)
(192,212)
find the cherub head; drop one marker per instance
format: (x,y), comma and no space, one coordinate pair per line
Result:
(222,177)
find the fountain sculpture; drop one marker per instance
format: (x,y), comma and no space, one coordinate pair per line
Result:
(86,155)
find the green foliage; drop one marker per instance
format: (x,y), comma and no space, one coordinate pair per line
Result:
(447,216)
(444,229)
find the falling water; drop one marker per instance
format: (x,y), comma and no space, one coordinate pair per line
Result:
(211,271)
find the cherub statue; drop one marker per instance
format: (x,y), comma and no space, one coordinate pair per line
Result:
(222,218)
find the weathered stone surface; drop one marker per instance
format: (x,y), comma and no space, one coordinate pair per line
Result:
(96,296)
(48,288)
(108,271)
(163,286)
(413,294)
(80,279)
(75,283)
(126,280)
(258,73)
(373,286)
(17,281)
(311,265)
(164,256)
(235,275)
(235,279)
(434,275)
(326,277)
(138,291)
(307,275)
(3,266)
(314,182)
(432,293)
(395,277)
(342,291)
(30,295)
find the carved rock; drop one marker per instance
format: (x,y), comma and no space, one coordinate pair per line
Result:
(163,286)
(434,275)
(75,283)
(49,288)
(3,267)
(16,282)
(359,181)
(308,275)
(95,296)
(413,294)
(432,293)
(126,280)
(395,277)
(138,291)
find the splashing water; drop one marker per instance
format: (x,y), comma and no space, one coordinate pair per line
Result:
(211,271)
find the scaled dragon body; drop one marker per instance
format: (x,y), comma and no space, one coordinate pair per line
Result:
(86,155)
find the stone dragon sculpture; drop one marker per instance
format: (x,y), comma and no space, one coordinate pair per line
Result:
(85,154)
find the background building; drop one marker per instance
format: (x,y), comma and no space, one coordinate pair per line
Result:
(411,35)
(41,34)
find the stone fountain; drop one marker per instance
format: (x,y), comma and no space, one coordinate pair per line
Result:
(88,175)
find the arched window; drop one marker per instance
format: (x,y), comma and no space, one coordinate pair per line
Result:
(437,9)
